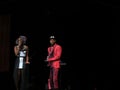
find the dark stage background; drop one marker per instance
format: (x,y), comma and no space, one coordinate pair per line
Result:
(79,28)
(4,42)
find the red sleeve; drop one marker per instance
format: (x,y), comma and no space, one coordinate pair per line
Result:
(57,55)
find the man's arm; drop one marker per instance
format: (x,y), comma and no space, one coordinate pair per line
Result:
(57,55)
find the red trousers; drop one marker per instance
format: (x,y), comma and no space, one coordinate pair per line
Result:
(53,78)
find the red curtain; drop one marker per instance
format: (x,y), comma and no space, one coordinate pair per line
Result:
(4,42)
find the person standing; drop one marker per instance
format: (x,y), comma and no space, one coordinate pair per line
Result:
(21,51)
(53,59)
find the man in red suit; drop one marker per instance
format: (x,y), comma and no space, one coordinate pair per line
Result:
(53,59)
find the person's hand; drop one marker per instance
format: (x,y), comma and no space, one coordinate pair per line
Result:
(46,60)
(27,62)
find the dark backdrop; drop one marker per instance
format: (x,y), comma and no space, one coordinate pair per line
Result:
(79,28)
(4,43)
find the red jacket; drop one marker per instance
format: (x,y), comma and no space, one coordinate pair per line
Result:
(55,60)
